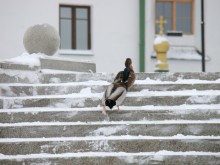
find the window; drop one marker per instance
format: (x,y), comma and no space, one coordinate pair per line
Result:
(75,27)
(177,13)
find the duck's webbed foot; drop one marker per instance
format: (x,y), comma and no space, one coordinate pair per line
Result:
(104,110)
(118,107)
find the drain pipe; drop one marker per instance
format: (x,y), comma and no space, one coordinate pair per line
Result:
(203,35)
(142,35)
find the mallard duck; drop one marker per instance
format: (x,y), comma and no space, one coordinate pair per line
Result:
(115,93)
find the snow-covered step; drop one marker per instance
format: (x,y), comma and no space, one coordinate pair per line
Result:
(86,99)
(48,77)
(174,77)
(122,158)
(53,76)
(58,145)
(45,62)
(177,76)
(13,66)
(10,90)
(134,114)
(52,116)
(62,64)
(144,128)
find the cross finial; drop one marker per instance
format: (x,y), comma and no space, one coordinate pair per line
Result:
(161,23)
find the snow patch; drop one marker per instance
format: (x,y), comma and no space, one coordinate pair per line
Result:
(108,130)
(137,160)
(178,81)
(54,80)
(196,130)
(160,39)
(164,122)
(180,109)
(109,154)
(31,76)
(27,59)
(202,99)
(86,91)
(101,145)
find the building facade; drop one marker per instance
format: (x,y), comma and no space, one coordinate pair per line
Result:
(108,31)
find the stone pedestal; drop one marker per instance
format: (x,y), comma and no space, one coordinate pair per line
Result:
(161,46)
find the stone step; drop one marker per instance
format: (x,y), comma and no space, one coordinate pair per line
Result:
(75,77)
(13,76)
(14,66)
(7,116)
(148,77)
(82,130)
(167,118)
(211,76)
(131,144)
(50,76)
(69,65)
(52,63)
(80,101)
(10,90)
(117,158)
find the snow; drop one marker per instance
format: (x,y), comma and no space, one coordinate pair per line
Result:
(147,81)
(177,109)
(141,122)
(33,59)
(85,83)
(27,59)
(52,71)
(146,92)
(109,154)
(208,95)
(99,138)
(160,39)
(159,62)
(179,81)
(108,130)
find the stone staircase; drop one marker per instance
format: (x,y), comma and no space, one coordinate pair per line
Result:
(54,117)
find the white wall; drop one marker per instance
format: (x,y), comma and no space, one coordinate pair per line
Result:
(212,27)
(149,33)
(17,16)
(115,29)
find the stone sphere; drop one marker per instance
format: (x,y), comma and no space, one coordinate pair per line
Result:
(41,39)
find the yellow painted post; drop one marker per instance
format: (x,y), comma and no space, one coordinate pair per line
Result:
(161,46)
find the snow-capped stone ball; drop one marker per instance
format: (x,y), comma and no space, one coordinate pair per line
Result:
(41,39)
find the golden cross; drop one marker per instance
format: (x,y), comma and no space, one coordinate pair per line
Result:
(161,23)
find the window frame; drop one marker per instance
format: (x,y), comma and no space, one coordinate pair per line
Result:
(174,14)
(73,10)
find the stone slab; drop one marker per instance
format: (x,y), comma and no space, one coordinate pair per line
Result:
(113,115)
(69,89)
(14,66)
(110,130)
(121,160)
(77,102)
(69,65)
(124,145)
